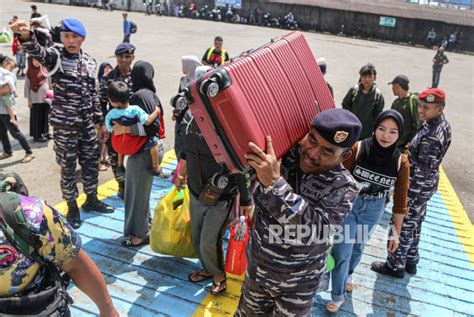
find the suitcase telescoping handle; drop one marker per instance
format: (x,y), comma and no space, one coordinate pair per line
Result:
(256,49)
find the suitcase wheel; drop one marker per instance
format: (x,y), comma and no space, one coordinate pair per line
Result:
(181,103)
(210,87)
(212,90)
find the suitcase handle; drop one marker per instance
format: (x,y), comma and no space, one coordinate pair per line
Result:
(272,40)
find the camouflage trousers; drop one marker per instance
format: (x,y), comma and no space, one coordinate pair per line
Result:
(407,252)
(258,300)
(72,146)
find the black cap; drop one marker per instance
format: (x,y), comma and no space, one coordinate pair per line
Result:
(402,80)
(338,126)
(124,48)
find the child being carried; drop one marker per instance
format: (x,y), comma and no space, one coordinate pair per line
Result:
(124,114)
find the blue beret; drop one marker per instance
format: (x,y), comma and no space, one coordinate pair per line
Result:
(338,126)
(73,25)
(124,48)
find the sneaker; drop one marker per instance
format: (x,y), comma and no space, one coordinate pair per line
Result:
(382,268)
(93,204)
(333,306)
(28,158)
(349,284)
(5,156)
(410,269)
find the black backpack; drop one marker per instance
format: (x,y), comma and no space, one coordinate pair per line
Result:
(133,27)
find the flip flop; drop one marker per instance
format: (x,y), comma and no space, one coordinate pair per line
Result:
(221,287)
(28,158)
(128,243)
(161,174)
(198,277)
(102,168)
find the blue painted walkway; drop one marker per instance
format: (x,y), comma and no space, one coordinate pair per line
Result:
(143,283)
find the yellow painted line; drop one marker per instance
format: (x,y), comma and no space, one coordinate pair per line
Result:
(224,305)
(461,221)
(110,188)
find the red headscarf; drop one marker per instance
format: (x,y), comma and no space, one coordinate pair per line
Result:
(35,76)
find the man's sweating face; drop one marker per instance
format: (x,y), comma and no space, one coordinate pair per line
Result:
(72,42)
(318,155)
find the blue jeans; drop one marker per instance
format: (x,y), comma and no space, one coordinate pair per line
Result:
(364,216)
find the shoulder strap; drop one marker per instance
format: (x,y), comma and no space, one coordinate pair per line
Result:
(56,67)
(13,225)
(223,56)
(378,93)
(410,100)
(209,53)
(355,91)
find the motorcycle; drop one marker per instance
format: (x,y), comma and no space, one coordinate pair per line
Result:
(158,8)
(229,15)
(236,19)
(270,21)
(216,14)
(148,4)
(289,22)
(204,13)
(192,12)
(182,11)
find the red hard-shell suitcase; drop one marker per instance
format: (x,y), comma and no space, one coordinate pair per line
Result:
(274,90)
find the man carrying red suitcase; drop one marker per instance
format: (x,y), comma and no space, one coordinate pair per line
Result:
(299,201)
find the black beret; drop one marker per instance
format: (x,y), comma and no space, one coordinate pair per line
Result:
(124,48)
(338,126)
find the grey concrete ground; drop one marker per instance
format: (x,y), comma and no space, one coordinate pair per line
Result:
(163,40)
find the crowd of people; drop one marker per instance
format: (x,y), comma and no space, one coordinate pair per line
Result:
(350,164)
(452,43)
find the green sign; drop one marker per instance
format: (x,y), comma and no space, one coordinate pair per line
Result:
(387,21)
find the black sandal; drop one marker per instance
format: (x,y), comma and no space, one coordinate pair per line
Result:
(221,287)
(198,276)
(128,242)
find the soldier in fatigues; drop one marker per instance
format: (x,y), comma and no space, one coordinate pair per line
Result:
(297,204)
(75,112)
(426,152)
(125,54)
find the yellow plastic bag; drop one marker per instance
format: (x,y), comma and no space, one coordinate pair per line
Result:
(5,37)
(171,228)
